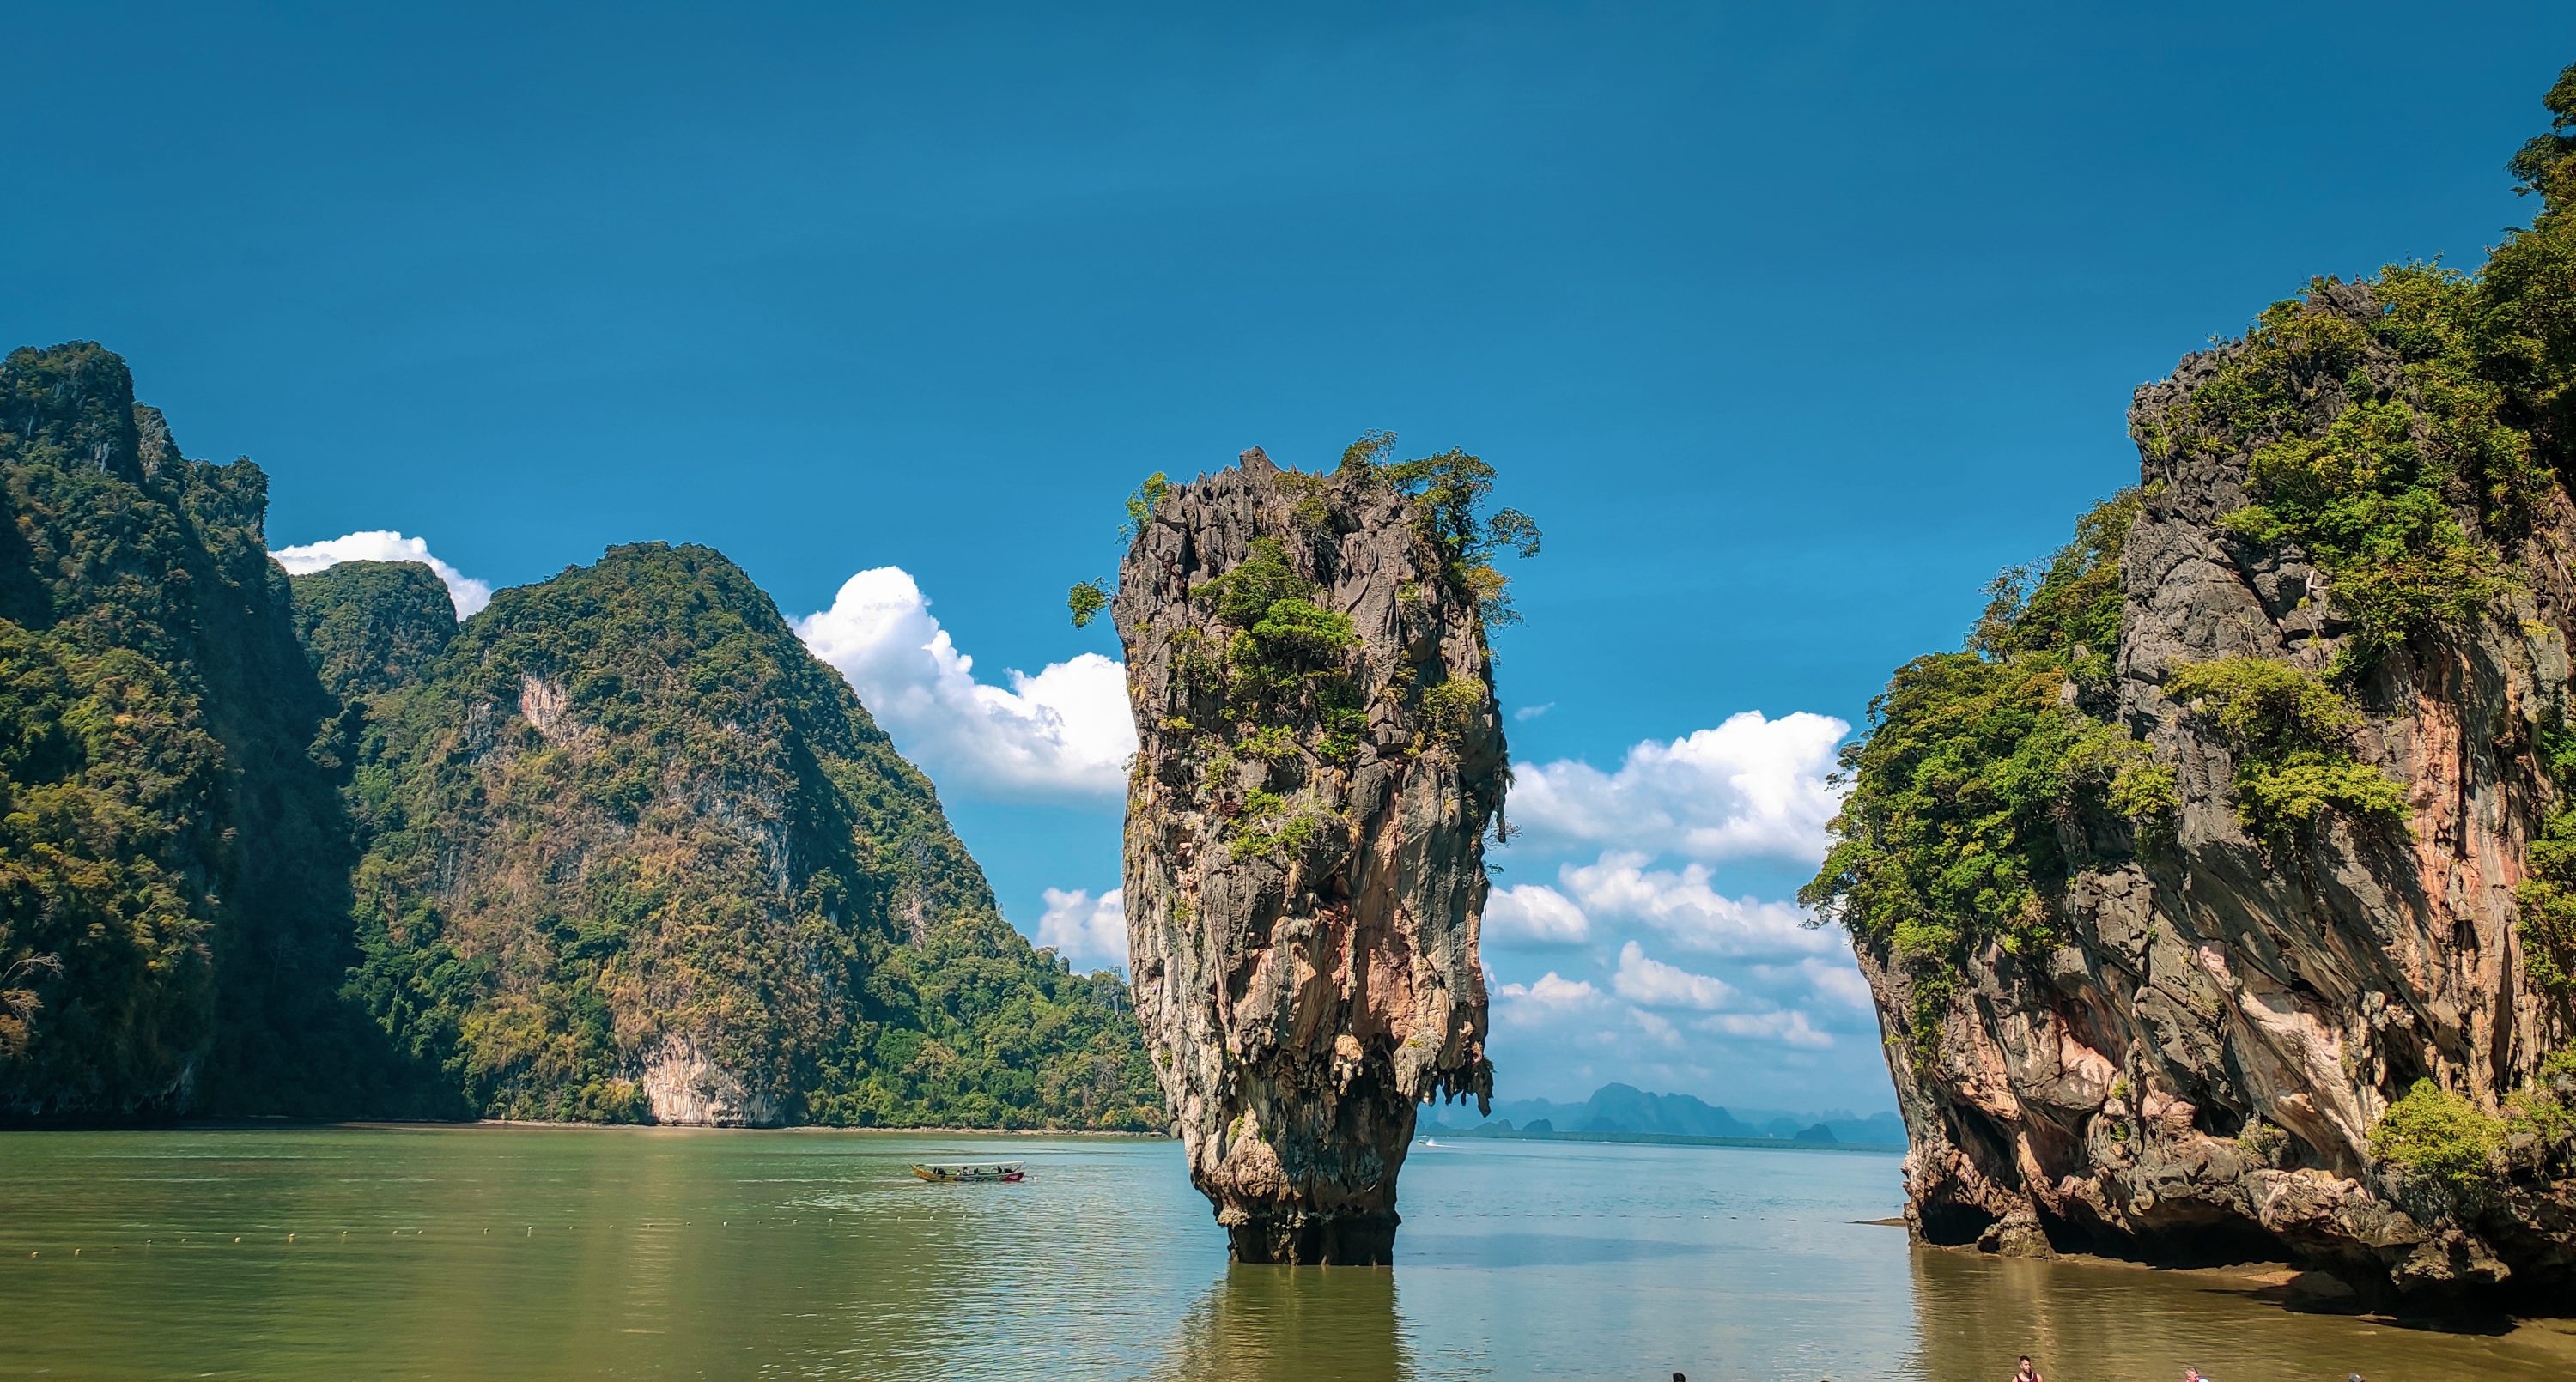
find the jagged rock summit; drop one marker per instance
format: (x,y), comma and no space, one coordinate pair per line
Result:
(1319,758)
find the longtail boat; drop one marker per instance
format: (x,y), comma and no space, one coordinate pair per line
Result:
(971,1170)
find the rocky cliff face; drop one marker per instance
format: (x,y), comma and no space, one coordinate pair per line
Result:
(2193,1069)
(2254,952)
(1319,759)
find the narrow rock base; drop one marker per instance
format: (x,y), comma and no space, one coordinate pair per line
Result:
(1315,1240)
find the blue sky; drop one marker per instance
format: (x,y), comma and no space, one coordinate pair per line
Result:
(1791,325)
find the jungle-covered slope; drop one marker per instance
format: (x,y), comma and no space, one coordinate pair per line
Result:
(2219,897)
(632,852)
(174,861)
(620,848)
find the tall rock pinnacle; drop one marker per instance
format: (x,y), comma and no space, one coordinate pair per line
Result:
(1319,757)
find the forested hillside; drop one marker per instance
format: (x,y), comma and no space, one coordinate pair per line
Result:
(173,855)
(618,849)
(632,852)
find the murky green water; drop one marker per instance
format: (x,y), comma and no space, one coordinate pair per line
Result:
(484,1252)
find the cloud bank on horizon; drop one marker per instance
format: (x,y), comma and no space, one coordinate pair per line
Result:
(1650,972)
(1653,973)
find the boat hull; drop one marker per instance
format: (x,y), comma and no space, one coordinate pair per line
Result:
(1007,1173)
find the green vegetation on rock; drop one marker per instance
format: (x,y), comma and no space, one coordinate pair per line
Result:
(2437,1134)
(2290,734)
(1951,837)
(2405,431)
(370,626)
(2545,907)
(2404,435)
(1452,496)
(173,861)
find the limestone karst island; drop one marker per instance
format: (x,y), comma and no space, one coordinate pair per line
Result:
(1462,692)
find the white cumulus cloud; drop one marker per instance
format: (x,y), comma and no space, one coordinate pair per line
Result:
(1682,905)
(1065,731)
(1534,914)
(466,593)
(1750,787)
(1838,982)
(1089,932)
(1651,983)
(1547,998)
(1788,1027)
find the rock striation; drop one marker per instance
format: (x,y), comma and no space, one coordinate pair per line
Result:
(2285,983)
(1319,759)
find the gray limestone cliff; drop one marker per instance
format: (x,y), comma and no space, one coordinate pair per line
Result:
(2188,1059)
(1319,760)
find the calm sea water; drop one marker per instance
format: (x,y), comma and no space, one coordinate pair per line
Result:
(490,1252)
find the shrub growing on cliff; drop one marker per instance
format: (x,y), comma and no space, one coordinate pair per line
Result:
(1450,707)
(2290,734)
(1977,773)
(2367,441)
(2437,1134)
(1450,493)
(2545,907)
(2544,1111)
(1085,601)
(2071,601)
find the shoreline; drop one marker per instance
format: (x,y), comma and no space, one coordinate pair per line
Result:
(2285,1286)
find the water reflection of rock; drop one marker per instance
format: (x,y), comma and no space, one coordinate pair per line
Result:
(1259,1323)
(2116,1322)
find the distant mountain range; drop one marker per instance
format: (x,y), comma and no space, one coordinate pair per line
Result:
(1621,1108)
